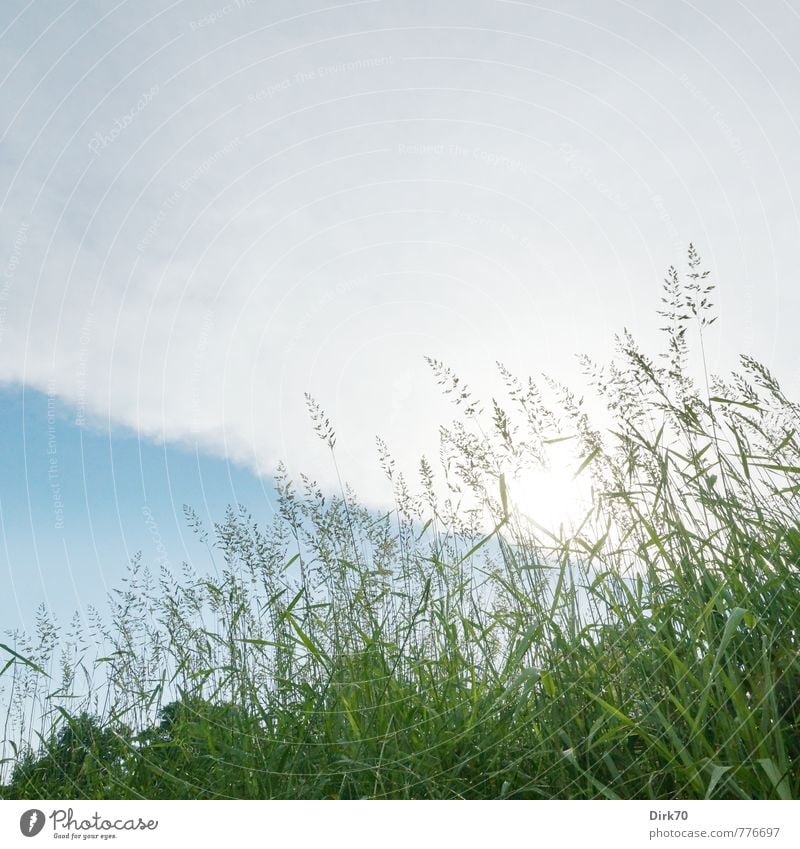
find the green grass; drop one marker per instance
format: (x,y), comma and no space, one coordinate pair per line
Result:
(450,648)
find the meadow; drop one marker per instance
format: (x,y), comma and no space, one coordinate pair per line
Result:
(454,646)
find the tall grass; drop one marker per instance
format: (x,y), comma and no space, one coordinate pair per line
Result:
(451,647)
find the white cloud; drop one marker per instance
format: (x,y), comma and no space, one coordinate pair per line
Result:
(314,206)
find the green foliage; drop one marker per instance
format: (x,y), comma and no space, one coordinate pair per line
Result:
(451,648)
(81,759)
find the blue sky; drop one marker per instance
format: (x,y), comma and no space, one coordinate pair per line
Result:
(77,502)
(208,209)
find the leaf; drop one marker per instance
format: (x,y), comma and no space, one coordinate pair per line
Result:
(586,462)
(424,528)
(775,467)
(717,771)
(24,660)
(307,641)
(779,782)
(748,404)
(784,442)
(478,545)
(293,602)
(736,617)
(548,683)
(350,718)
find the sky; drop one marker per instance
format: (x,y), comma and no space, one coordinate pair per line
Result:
(208,209)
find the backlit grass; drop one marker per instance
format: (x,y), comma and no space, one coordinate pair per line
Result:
(452,646)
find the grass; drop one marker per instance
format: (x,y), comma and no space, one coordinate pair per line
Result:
(451,648)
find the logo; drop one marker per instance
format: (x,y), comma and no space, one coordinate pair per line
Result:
(31,822)
(65,824)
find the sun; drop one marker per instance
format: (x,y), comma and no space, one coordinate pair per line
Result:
(550,497)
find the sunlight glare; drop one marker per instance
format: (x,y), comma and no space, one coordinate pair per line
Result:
(550,497)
